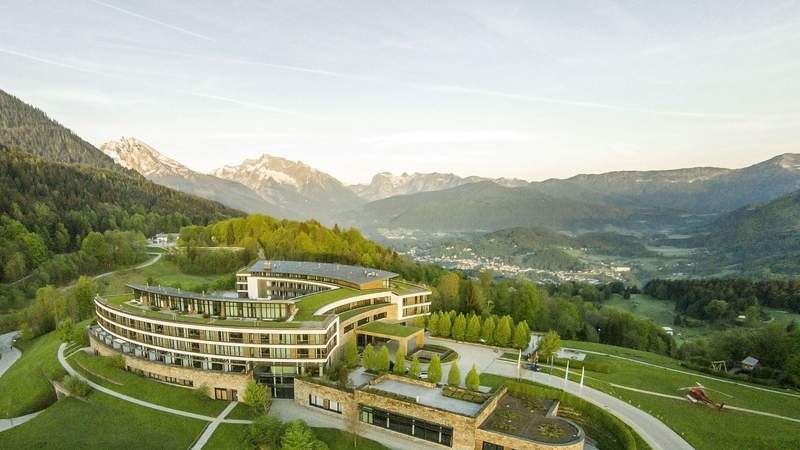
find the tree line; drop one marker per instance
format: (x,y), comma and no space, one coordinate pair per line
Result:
(693,296)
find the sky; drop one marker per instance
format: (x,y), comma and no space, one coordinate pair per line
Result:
(516,89)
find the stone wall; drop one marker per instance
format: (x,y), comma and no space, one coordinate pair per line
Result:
(213,379)
(508,441)
(304,388)
(463,426)
(409,380)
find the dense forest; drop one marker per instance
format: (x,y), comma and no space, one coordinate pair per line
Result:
(48,208)
(720,298)
(29,129)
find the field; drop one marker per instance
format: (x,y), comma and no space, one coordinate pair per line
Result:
(703,427)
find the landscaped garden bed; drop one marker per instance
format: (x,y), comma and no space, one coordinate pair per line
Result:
(465,394)
(425,353)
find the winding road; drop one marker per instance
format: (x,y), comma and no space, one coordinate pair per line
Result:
(653,431)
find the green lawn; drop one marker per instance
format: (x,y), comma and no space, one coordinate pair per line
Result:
(242,412)
(25,387)
(230,436)
(164,271)
(103,422)
(390,329)
(144,388)
(724,428)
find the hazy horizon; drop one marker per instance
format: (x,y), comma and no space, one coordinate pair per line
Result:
(511,90)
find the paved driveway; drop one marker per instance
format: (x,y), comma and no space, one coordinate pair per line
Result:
(652,430)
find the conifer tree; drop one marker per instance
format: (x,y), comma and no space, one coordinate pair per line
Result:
(473,329)
(382,360)
(435,370)
(454,376)
(350,353)
(459,327)
(415,367)
(473,380)
(502,335)
(400,361)
(522,335)
(445,326)
(433,324)
(487,330)
(368,357)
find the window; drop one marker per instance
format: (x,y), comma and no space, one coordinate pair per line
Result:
(323,403)
(490,446)
(407,425)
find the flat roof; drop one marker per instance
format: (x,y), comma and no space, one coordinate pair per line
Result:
(426,396)
(389,329)
(352,274)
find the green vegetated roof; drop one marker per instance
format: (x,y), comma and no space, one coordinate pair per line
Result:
(354,312)
(389,329)
(308,304)
(403,288)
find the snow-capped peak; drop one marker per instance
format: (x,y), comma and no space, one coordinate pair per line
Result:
(134,154)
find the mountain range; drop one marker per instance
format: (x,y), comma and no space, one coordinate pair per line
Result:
(750,211)
(134,154)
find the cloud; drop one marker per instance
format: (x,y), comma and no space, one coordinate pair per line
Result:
(152,20)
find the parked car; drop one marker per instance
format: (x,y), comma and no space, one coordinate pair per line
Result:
(533,367)
(423,375)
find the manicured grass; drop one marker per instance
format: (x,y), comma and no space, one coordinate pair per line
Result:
(703,427)
(389,329)
(231,436)
(228,436)
(242,412)
(708,429)
(628,373)
(100,370)
(25,387)
(103,422)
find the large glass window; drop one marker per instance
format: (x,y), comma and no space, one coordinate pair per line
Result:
(407,425)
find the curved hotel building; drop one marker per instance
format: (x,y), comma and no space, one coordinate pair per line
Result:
(286,318)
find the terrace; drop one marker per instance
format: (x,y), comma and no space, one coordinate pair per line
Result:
(127,304)
(423,395)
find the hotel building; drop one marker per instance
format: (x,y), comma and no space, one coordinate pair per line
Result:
(286,319)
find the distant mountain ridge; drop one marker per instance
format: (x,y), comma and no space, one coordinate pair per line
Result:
(136,155)
(584,199)
(757,238)
(292,185)
(479,206)
(385,184)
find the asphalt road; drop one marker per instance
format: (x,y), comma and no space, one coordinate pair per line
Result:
(652,430)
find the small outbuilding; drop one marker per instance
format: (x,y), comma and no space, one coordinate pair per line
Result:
(749,363)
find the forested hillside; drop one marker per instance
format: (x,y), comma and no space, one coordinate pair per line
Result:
(29,129)
(759,239)
(49,208)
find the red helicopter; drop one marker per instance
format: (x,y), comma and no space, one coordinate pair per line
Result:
(697,394)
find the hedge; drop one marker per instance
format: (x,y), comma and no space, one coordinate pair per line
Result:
(618,434)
